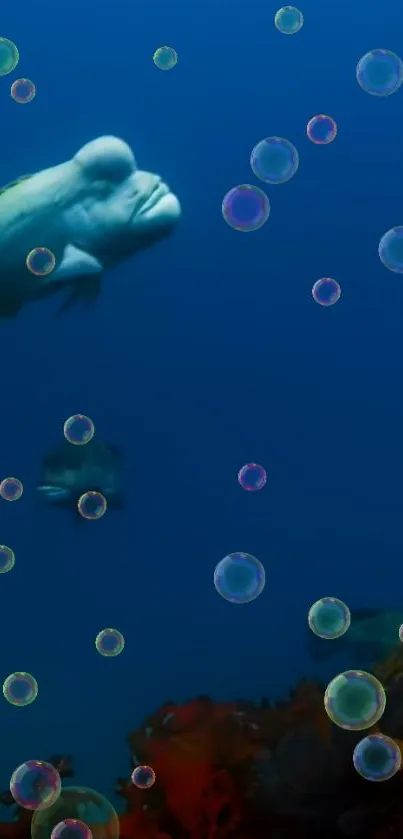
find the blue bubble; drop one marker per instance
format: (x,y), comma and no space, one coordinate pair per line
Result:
(326,291)
(329,618)
(246,208)
(377,757)
(380,72)
(288,20)
(252,477)
(391,250)
(321,130)
(239,578)
(274,160)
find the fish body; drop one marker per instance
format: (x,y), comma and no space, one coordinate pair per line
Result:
(92,212)
(68,471)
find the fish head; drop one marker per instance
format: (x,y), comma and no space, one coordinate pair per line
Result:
(69,471)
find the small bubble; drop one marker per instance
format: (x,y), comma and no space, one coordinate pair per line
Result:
(321,130)
(9,56)
(391,250)
(355,700)
(11,489)
(92,505)
(380,72)
(326,291)
(165,58)
(143,777)
(288,20)
(377,757)
(71,829)
(274,160)
(252,477)
(40,262)
(246,208)
(329,618)
(109,642)
(23,91)
(20,689)
(78,429)
(239,577)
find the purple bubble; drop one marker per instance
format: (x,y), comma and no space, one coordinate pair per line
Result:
(246,208)
(252,477)
(321,130)
(274,160)
(326,291)
(35,785)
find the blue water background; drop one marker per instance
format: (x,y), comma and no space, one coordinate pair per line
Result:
(202,354)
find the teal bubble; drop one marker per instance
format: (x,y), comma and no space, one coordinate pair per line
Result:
(377,757)
(9,56)
(355,700)
(329,618)
(274,160)
(289,20)
(380,72)
(165,58)
(390,250)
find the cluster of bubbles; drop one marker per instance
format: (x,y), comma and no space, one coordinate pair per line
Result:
(79,430)
(355,700)
(239,577)
(22,90)
(275,160)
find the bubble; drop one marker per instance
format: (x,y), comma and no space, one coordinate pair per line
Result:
(377,757)
(246,208)
(20,689)
(252,477)
(143,777)
(7,559)
(78,430)
(390,250)
(110,642)
(321,130)
(71,829)
(165,58)
(326,291)
(274,160)
(289,20)
(11,489)
(23,91)
(35,785)
(92,505)
(40,262)
(355,700)
(9,56)
(380,72)
(401,633)
(329,618)
(77,803)
(239,578)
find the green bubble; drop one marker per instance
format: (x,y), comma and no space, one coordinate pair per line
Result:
(329,618)
(355,700)
(9,56)
(288,20)
(20,689)
(165,58)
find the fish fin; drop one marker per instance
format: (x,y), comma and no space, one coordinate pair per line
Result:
(75,264)
(85,290)
(53,494)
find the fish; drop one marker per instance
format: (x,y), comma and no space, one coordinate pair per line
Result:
(92,212)
(372,635)
(68,471)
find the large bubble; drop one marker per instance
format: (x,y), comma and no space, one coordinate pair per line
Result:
(71,829)
(78,803)
(41,262)
(9,56)
(355,700)
(329,618)
(78,429)
(390,250)
(380,72)
(239,577)
(377,757)
(246,208)
(288,20)
(92,505)
(35,785)
(7,559)
(274,160)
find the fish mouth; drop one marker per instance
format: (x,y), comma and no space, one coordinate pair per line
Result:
(159,191)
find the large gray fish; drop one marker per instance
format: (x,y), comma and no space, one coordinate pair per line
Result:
(68,471)
(92,212)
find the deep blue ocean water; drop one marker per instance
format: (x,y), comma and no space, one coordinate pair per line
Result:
(202,354)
